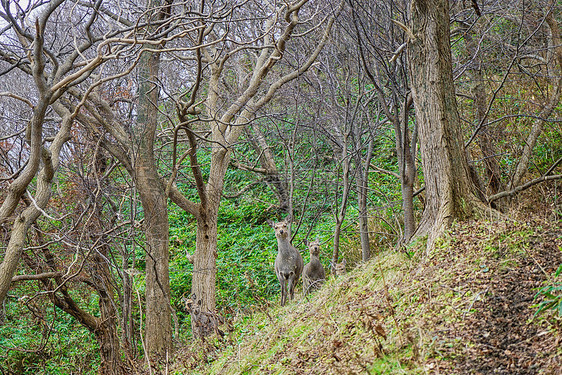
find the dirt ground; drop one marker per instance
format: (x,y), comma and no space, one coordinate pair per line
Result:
(497,334)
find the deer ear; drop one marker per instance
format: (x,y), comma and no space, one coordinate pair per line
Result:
(270,223)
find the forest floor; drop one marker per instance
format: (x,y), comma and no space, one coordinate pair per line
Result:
(466,307)
(498,333)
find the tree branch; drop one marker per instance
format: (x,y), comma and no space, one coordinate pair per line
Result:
(525,186)
(39,276)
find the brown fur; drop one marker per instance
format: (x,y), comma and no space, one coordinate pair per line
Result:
(289,263)
(313,274)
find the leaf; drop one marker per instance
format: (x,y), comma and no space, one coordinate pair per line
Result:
(559,270)
(380,331)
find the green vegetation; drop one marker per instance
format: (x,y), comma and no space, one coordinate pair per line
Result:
(47,342)
(551,295)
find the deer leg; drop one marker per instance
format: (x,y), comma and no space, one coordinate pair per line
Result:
(292,287)
(283,292)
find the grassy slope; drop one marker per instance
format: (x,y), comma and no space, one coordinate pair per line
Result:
(464,307)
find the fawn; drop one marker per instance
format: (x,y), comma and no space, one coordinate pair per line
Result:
(313,274)
(289,263)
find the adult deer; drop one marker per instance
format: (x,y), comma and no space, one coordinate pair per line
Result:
(289,263)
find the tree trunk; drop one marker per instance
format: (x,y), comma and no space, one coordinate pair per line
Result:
(127,298)
(16,190)
(342,209)
(24,221)
(407,178)
(106,330)
(363,192)
(336,244)
(204,320)
(449,189)
(406,150)
(267,161)
(104,327)
(203,289)
(364,221)
(225,132)
(158,332)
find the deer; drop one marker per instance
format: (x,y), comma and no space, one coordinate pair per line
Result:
(289,263)
(313,274)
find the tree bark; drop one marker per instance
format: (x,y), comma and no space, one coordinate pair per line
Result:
(158,332)
(19,186)
(406,151)
(449,188)
(362,193)
(106,330)
(204,320)
(203,290)
(23,222)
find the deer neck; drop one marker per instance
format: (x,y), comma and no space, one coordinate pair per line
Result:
(284,247)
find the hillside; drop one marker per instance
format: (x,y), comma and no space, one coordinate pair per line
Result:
(466,307)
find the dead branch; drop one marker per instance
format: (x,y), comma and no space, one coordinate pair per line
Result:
(525,186)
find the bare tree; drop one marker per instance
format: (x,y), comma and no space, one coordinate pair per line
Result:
(380,46)
(141,145)
(64,57)
(46,91)
(475,69)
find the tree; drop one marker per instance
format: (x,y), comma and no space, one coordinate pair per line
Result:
(550,103)
(59,64)
(350,122)
(380,51)
(158,331)
(213,112)
(34,132)
(493,182)
(450,192)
